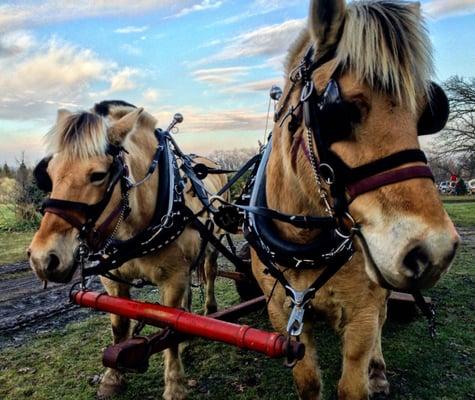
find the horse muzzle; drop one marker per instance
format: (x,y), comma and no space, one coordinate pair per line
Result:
(51,266)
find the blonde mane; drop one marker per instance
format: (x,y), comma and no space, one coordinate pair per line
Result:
(80,135)
(386,45)
(84,134)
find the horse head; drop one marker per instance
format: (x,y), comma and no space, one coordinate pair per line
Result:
(370,66)
(83,174)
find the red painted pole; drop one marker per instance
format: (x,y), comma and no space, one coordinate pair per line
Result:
(273,345)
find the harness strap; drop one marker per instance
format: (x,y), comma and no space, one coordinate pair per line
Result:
(207,235)
(68,217)
(387,178)
(349,175)
(247,166)
(299,221)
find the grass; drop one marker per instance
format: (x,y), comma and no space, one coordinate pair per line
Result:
(7,217)
(463,214)
(13,246)
(10,222)
(457,199)
(59,365)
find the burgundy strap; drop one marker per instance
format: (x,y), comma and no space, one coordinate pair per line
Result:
(102,229)
(387,178)
(75,222)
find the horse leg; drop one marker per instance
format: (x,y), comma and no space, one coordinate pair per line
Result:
(113,381)
(378,382)
(359,340)
(306,372)
(173,293)
(210,271)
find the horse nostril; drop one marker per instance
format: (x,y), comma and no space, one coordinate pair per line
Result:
(53,262)
(417,261)
(28,252)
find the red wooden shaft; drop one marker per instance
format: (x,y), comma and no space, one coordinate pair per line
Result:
(271,344)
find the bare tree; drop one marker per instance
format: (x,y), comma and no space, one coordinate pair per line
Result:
(232,159)
(457,141)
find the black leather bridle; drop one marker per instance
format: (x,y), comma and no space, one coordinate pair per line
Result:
(90,213)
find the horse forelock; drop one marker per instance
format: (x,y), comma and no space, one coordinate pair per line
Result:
(79,135)
(83,135)
(386,45)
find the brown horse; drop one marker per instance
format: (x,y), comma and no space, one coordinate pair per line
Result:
(78,172)
(381,60)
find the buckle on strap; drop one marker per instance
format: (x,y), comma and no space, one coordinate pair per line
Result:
(299,299)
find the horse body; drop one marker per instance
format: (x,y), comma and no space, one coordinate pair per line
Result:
(78,150)
(409,239)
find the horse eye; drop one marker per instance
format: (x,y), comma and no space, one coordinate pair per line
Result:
(97,177)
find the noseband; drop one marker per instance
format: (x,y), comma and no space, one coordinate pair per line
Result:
(83,216)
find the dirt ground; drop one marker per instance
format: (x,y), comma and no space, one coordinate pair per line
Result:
(27,310)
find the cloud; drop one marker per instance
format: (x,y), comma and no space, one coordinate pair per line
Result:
(131,50)
(263,85)
(122,80)
(448,8)
(260,7)
(202,6)
(199,120)
(15,43)
(132,29)
(220,76)
(15,14)
(269,40)
(150,96)
(55,75)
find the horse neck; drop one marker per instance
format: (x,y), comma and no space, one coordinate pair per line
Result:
(290,183)
(142,199)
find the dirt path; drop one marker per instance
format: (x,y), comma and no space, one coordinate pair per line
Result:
(26,309)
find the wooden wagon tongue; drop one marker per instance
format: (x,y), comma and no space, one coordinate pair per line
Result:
(181,325)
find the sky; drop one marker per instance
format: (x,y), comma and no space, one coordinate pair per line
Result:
(212,60)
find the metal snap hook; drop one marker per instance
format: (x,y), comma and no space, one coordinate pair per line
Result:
(307,92)
(327,173)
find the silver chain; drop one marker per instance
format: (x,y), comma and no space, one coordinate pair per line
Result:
(117,225)
(322,192)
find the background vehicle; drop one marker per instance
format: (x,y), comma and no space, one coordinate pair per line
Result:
(471,186)
(447,187)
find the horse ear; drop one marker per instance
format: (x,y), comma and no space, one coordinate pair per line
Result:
(325,20)
(415,7)
(62,115)
(119,130)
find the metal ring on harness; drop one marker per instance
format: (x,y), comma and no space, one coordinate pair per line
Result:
(327,173)
(166,221)
(352,229)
